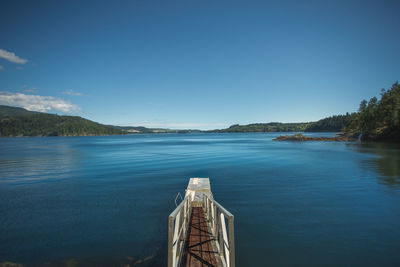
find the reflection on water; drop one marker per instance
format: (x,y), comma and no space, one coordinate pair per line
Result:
(104,201)
(386,160)
(37,162)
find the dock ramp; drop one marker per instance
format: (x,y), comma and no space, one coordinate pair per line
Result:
(200,230)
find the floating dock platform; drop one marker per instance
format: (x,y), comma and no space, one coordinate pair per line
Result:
(197,230)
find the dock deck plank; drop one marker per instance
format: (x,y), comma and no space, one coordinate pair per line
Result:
(200,248)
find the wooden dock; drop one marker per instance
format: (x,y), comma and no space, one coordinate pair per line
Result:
(200,248)
(197,232)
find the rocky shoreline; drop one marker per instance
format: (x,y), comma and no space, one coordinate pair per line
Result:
(301,137)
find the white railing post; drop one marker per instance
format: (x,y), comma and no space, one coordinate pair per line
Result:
(170,236)
(177,228)
(225,239)
(224,234)
(220,236)
(179,221)
(209,211)
(231,240)
(206,206)
(175,239)
(213,217)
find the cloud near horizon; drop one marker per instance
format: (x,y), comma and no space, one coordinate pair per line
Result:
(10,56)
(37,102)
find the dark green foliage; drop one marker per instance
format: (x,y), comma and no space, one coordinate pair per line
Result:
(378,119)
(6,111)
(375,120)
(139,129)
(330,124)
(301,137)
(265,127)
(26,123)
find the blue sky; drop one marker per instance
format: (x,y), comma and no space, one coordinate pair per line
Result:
(197,64)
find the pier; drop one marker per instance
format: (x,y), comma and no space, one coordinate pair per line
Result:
(200,230)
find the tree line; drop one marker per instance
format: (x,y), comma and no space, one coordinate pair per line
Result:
(42,124)
(378,119)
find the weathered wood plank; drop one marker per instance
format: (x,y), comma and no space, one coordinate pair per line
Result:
(200,249)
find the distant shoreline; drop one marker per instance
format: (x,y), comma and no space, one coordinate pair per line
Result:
(19,122)
(301,138)
(153,133)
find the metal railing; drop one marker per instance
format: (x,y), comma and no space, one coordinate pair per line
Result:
(217,216)
(178,223)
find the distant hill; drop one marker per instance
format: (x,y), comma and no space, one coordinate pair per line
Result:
(378,119)
(6,111)
(21,122)
(135,129)
(265,127)
(141,129)
(330,124)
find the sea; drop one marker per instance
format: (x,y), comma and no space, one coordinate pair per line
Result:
(105,201)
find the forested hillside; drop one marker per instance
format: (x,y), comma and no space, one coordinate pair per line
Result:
(21,122)
(331,124)
(265,127)
(6,111)
(378,119)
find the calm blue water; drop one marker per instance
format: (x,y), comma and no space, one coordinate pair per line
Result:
(105,201)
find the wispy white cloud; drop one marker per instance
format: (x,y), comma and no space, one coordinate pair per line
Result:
(10,56)
(37,102)
(1,68)
(73,93)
